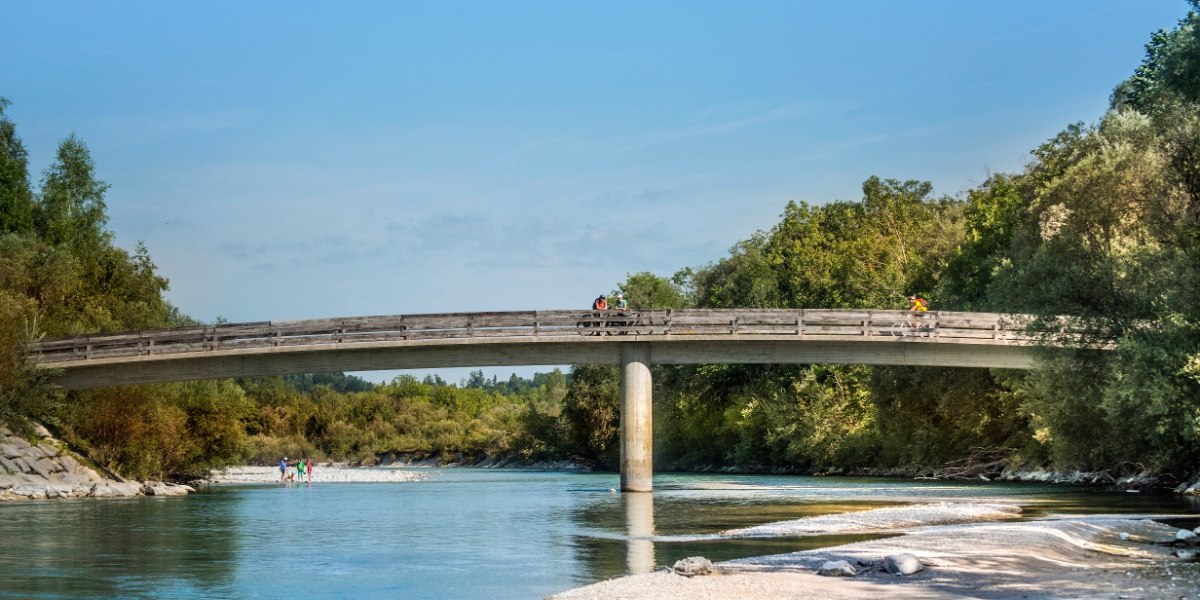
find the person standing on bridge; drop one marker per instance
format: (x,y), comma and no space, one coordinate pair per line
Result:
(621,303)
(600,303)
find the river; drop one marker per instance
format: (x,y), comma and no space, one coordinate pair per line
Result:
(457,533)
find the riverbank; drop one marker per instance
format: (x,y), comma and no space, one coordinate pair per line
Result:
(46,469)
(1077,557)
(322,473)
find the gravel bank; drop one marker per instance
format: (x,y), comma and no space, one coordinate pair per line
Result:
(1093,557)
(321,474)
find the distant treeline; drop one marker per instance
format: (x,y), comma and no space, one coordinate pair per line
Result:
(1103,226)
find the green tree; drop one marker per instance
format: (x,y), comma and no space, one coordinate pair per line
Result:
(72,209)
(591,415)
(16,197)
(646,290)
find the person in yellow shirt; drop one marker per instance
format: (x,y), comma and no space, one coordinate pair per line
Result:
(919,306)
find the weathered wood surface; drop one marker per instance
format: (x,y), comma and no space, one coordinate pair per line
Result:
(600,326)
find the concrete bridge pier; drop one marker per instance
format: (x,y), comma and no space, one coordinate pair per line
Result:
(637,443)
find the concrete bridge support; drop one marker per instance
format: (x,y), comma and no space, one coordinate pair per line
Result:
(637,443)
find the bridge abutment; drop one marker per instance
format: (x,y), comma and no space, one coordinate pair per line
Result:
(637,439)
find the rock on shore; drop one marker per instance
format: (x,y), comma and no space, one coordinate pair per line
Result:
(46,470)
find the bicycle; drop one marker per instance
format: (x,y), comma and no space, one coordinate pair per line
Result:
(610,323)
(915,325)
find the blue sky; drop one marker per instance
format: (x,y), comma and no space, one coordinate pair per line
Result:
(314,159)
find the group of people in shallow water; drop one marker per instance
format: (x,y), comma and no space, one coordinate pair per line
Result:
(303,466)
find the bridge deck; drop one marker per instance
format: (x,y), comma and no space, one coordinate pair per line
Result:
(538,338)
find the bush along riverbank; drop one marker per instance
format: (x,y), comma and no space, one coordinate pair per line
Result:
(44,469)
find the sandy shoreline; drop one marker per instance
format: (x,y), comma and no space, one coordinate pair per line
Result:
(321,474)
(1087,557)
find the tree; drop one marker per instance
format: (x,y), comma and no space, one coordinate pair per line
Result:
(591,415)
(16,198)
(1170,71)
(72,209)
(646,290)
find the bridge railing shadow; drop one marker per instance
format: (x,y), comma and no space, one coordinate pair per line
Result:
(610,325)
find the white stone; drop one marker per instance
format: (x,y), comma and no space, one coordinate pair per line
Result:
(1184,535)
(836,568)
(158,488)
(902,564)
(692,566)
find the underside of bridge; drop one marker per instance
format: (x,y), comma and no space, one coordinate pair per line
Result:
(157,368)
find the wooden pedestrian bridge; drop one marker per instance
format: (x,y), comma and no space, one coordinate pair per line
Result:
(633,339)
(559,337)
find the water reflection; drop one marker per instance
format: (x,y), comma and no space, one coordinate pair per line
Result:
(639,522)
(116,548)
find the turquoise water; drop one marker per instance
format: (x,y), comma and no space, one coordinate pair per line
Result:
(460,533)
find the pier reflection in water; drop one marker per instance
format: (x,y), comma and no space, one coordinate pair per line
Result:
(639,522)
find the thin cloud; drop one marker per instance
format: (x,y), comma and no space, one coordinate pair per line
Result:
(712,129)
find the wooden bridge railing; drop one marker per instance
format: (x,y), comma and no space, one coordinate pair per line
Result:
(645,324)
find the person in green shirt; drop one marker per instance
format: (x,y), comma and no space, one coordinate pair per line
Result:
(621,303)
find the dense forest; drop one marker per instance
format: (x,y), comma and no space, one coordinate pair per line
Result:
(1102,227)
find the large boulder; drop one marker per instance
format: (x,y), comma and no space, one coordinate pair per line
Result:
(158,488)
(43,467)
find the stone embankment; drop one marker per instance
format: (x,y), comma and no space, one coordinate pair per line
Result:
(45,469)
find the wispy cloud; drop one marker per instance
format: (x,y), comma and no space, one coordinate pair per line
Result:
(713,129)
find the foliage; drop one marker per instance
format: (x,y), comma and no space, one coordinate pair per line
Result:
(646,290)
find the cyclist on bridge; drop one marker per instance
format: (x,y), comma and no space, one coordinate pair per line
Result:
(919,306)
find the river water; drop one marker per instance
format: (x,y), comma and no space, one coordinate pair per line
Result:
(457,533)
